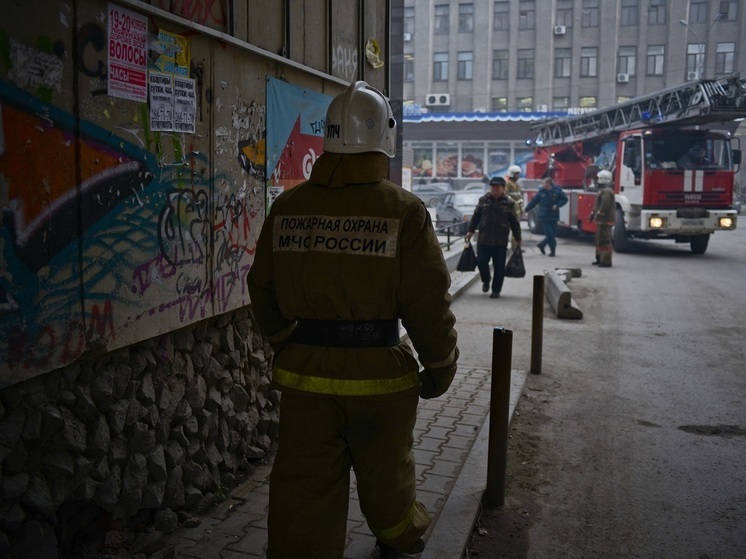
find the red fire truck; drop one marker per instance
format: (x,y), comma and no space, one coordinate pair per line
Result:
(674,172)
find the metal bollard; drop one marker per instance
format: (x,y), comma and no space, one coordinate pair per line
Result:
(502,356)
(537,325)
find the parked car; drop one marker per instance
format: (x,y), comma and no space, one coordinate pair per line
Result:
(432,193)
(457,207)
(476,187)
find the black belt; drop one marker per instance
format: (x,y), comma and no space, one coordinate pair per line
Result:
(347,333)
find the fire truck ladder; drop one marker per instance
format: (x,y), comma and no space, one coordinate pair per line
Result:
(697,102)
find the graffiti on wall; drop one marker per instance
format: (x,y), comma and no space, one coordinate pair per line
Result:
(111,235)
(344,62)
(211,13)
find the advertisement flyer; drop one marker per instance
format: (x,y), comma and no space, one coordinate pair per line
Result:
(128,54)
(185,104)
(161,102)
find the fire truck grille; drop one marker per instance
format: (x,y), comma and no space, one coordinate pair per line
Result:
(691,213)
(693,198)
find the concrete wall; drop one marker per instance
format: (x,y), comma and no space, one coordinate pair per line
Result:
(132,377)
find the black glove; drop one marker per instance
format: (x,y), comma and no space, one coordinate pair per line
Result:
(427,386)
(434,382)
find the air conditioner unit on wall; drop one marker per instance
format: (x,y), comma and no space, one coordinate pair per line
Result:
(622,78)
(560,29)
(437,99)
(692,75)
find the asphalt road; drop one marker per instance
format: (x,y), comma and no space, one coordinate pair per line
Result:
(632,440)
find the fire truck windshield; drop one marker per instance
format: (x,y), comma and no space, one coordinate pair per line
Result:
(687,152)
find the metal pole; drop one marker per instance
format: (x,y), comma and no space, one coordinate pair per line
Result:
(502,355)
(537,325)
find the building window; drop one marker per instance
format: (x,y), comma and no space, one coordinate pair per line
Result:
(622,98)
(657,12)
(499,104)
(465,65)
(655,57)
(724,58)
(408,68)
(588,102)
(590,13)
(440,67)
(627,60)
(500,65)
(588,62)
(525,63)
(728,10)
(525,104)
(472,160)
(446,160)
(562,63)
(564,13)
(560,103)
(695,57)
(526,14)
(466,18)
(409,22)
(441,20)
(501,16)
(698,11)
(629,12)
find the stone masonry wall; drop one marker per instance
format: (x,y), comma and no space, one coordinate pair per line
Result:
(161,425)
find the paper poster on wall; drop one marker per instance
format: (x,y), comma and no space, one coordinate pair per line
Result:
(295,132)
(185,105)
(128,54)
(173,53)
(161,92)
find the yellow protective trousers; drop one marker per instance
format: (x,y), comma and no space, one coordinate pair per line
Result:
(321,439)
(604,247)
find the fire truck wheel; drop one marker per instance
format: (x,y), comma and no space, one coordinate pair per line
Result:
(533,224)
(699,243)
(619,235)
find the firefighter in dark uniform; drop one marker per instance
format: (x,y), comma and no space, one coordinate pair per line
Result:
(340,259)
(604,212)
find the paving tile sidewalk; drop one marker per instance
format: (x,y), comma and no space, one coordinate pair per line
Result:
(451,451)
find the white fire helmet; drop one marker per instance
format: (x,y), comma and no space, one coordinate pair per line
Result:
(513,169)
(604,177)
(360,120)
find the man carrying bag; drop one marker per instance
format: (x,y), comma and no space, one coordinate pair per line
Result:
(495,218)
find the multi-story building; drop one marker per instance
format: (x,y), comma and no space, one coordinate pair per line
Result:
(477,72)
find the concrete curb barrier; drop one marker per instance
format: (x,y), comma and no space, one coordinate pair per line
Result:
(560,296)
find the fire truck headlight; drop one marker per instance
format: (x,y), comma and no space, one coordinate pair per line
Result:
(657,222)
(726,222)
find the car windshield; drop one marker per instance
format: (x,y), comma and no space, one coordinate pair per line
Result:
(687,153)
(469,199)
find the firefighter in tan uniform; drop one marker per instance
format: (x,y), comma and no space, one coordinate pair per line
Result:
(340,260)
(513,190)
(604,212)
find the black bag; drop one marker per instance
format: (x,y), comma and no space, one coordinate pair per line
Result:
(468,260)
(515,268)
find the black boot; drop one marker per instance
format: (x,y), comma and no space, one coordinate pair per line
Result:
(388,552)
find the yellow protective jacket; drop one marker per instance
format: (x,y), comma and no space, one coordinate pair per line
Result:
(513,189)
(604,210)
(350,245)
